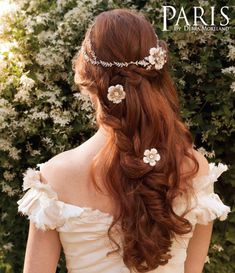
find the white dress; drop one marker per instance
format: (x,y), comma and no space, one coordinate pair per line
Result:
(83,230)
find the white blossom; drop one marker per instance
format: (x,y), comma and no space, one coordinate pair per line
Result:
(233,86)
(116,93)
(22,95)
(203,3)
(49,59)
(231,53)
(48,141)
(42,18)
(151,156)
(86,101)
(8,189)
(14,153)
(5,144)
(8,246)
(229,70)
(3,64)
(61,118)
(206,153)
(8,8)
(26,82)
(217,247)
(39,115)
(9,176)
(3,216)
(61,3)
(207,260)
(45,36)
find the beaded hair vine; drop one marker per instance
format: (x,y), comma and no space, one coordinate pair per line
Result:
(157,57)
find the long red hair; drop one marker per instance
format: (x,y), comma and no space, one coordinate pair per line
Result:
(148,117)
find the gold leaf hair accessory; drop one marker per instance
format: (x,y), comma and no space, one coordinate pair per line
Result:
(157,57)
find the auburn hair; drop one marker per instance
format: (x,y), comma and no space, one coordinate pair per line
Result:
(147,117)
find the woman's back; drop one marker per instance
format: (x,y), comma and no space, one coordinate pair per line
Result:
(69,174)
(69,204)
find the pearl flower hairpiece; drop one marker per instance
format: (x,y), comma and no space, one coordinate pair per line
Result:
(116,93)
(157,57)
(151,156)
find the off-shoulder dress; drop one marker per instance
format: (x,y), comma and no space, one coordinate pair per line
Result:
(83,230)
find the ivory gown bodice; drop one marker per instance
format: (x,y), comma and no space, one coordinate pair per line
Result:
(83,230)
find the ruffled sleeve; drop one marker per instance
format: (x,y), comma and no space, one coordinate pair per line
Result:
(40,203)
(209,206)
(205,205)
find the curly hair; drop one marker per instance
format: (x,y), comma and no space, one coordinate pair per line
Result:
(148,117)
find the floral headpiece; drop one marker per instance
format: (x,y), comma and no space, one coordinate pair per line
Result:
(157,57)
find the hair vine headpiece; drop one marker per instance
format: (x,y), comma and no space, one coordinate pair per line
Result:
(157,58)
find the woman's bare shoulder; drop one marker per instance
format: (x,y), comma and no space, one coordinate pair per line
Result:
(65,170)
(187,164)
(59,167)
(62,169)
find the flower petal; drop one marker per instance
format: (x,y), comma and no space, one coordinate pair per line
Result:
(147,152)
(146,159)
(158,157)
(152,60)
(152,50)
(153,151)
(152,163)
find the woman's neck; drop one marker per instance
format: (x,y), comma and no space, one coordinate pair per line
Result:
(103,132)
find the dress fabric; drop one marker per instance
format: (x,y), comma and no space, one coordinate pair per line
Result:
(83,230)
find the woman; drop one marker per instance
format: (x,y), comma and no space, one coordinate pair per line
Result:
(136,196)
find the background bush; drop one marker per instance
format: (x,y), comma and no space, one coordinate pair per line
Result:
(42,113)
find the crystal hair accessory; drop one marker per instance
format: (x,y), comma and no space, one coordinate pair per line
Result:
(116,93)
(157,58)
(151,156)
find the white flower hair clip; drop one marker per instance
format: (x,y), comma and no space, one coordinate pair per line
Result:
(157,57)
(151,156)
(116,93)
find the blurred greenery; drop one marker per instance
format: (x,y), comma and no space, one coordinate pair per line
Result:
(42,112)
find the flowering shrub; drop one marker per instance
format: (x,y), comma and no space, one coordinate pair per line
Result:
(42,112)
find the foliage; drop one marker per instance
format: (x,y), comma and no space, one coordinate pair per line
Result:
(42,112)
